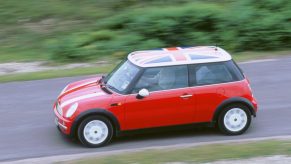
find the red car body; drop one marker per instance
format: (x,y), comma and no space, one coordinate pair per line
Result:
(197,109)
(162,108)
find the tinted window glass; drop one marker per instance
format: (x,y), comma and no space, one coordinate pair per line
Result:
(213,73)
(163,78)
(122,77)
(235,70)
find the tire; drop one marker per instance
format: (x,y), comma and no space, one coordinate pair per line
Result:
(95,131)
(234,119)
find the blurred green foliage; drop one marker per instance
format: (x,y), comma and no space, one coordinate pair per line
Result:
(75,30)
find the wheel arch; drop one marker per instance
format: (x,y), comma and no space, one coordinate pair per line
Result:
(92,112)
(234,100)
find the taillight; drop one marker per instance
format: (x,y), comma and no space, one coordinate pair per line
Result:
(249,85)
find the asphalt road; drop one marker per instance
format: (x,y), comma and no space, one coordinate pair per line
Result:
(28,129)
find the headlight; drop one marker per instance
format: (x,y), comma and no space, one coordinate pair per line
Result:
(59,109)
(72,110)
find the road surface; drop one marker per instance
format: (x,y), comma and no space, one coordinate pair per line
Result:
(28,129)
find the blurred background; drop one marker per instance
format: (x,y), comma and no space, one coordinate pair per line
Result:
(74,30)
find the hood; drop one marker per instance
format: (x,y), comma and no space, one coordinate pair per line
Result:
(81,91)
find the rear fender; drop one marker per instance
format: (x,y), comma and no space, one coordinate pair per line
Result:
(234,100)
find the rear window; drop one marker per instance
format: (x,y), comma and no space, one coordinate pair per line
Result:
(214,73)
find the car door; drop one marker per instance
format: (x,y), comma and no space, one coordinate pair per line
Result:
(208,82)
(170,101)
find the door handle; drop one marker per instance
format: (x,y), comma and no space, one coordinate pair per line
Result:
(185,96)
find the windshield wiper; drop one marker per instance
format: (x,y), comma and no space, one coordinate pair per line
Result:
(110,86)
(103,85)
(101,80)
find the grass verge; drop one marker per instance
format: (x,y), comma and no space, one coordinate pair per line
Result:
(206,153)
(239,57)
(55,73)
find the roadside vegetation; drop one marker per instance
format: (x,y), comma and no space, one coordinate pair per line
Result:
(196,154)
(60,32)
(81,31)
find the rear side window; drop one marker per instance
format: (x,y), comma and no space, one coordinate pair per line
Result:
(214,73)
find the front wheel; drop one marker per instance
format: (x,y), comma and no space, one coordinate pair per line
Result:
(234,119)
(95,131)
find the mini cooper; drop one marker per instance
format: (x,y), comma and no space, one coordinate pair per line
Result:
(154,89)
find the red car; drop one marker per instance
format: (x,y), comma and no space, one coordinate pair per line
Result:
(171,87)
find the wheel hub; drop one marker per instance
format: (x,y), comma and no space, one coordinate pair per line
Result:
(95,131)
(235,119)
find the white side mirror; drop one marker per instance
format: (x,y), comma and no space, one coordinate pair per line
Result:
(143,93)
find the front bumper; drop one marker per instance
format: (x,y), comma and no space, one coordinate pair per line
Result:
(62,123)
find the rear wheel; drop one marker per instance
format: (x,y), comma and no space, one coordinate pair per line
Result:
(95,131)
(234,119)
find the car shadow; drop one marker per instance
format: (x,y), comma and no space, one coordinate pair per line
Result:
(162,138)
(148,136)
(173,134)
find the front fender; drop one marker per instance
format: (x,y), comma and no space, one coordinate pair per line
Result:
(90,112)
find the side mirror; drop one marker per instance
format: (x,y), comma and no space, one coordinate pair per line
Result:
(143,93)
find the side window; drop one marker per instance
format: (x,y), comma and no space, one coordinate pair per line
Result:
(163,78)
(210,73)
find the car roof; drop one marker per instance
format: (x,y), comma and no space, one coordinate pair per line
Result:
(178,56)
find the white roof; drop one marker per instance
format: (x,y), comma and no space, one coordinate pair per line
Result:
(178,56)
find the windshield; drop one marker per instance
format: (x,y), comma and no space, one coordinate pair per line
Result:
(121,77)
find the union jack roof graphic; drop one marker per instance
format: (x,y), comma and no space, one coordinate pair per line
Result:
(178,56)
